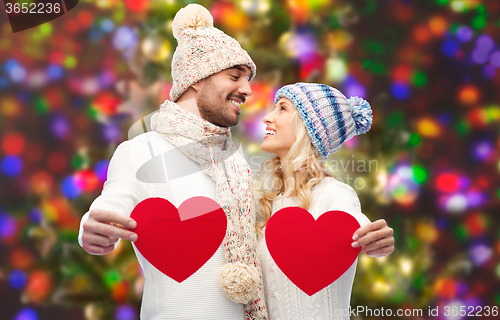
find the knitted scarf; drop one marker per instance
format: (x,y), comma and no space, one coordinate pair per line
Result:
(212,148)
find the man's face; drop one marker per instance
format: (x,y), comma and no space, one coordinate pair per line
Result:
(221,95)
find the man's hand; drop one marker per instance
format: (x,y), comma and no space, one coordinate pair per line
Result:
(102,230)
(375,238)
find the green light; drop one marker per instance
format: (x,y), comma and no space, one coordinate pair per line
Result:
(372,46)
(463,127)
(419,79)
(41,105)
(414,140)
(46,29)
(79,161)
(395,119)
(479,22)
(370,7)
(412,243)
(442,2)
(111,277)
(70,62)
(498,193)
(461,232)
(419,174)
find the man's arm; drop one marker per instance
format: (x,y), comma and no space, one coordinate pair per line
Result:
(108,219)
(102,230)
(376,239)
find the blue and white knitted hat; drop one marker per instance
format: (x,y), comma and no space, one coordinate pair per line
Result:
(330,118)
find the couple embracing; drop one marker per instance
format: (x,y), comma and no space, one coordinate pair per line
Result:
(211,79)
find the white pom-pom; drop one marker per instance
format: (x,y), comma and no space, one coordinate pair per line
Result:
(239,282)
(191,16)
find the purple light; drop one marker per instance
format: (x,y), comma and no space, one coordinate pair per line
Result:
(400,91)
(355,89)
(107,78)
(444,119)
(18,279)
(101,170)
(461,288)
(450,47)
(125,312)
(12,165)
(442,223)
(463,182)
(27,314)
(59,126)
(124,38)
(7,226)
(480,56)
(55,72)
(482,150)
(489,71)
(17,73)
(464,33)
(485,42)
(111,133)
(495,59)
(474,198)
(35,215)
(480,254)
(70,188)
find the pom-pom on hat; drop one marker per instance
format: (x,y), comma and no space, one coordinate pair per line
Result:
(202,49)
(330,118)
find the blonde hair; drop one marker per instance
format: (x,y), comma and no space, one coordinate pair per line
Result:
(303,168)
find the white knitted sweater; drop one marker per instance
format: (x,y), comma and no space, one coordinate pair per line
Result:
(285,301)
(199,296)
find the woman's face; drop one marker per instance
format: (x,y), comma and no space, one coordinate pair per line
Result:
(279,134)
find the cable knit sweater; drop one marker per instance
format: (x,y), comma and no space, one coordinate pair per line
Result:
(285,301)
(199,296)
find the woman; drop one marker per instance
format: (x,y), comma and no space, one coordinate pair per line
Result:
(310,122)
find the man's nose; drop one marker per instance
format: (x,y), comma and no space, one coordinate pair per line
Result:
(245,89)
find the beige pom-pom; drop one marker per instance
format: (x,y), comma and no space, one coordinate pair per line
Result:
(191,16)
(239,282)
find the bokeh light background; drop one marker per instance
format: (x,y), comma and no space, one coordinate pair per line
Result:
(71,88)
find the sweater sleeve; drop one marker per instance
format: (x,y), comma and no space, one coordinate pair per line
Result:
(121,191)
(342,197)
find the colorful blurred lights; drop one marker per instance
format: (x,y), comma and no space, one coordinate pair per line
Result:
(336,70)
(13,143)
(495,59)
(464,34)
(12,166)
(70,188)
(400,91)
(450,47)
(125,312)
(480,254)
(27,314)
(18,279)
(428,128)
(483,150)
(456,204)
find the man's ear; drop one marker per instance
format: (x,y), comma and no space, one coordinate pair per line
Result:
(198,85)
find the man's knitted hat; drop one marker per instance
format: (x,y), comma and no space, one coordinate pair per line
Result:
(330,118)
(202,49)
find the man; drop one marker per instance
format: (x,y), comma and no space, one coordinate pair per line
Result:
(211,75)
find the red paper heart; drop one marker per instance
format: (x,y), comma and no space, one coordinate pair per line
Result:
(311,253)
(179,242)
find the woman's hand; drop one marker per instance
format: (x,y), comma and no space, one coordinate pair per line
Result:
(376,239)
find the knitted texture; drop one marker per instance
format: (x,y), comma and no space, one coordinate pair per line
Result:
(329,117)
(212,148)
(202,49)
(284,299)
